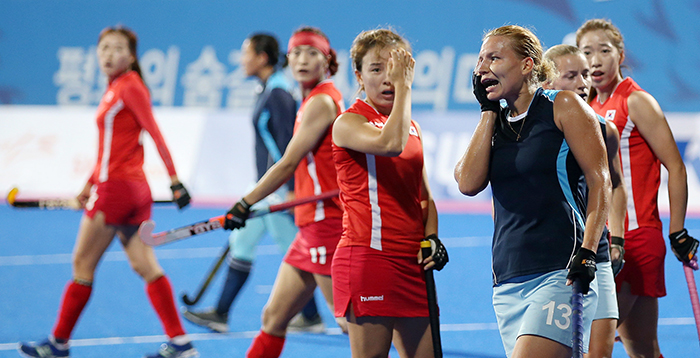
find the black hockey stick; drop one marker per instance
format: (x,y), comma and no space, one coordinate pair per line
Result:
(432,302)
(203,287)
(51,203)
(577,320)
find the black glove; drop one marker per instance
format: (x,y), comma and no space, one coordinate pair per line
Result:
(237,215)
(480,94)
(439,253)
(180,195)
(684,251)
(583,268)
(618,243)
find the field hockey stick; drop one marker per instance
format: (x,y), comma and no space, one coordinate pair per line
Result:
(433,313)
(577,320)
(203,287)
(693,291)
(146,229)
(51,203)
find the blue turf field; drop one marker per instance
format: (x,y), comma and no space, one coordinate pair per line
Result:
(35,249)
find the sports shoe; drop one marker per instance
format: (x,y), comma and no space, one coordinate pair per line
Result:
(209,318)
(48,348)
(172,350)
(302,324)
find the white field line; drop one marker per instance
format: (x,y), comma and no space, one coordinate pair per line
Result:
(459,327)
(203,252)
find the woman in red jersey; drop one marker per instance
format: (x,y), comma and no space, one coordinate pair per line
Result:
(646,142)
(377,284)
(309,158)
(117,199)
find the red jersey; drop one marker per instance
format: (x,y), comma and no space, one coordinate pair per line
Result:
(315,174)
(381,195)
(641,168)
(124,112)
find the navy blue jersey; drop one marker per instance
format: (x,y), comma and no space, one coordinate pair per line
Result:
(273,119)
(538,217)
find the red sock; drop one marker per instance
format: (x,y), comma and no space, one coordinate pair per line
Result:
(265,346)
(75,297)
(161,295)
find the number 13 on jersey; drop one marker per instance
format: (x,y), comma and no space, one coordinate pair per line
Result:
(562,312)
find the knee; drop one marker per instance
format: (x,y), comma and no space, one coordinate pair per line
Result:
(267,316)
(83,269)
(272,322)
(147,271)
(342,323)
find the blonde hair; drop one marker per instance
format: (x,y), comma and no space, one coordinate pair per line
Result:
(526,44)
(557,51)
(554,52)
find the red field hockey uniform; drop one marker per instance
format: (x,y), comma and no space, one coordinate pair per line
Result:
(319,222)
(375,265)
(644,243)
(122,116)
(122,192)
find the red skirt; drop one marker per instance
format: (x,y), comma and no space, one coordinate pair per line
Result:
(123,202)
(645,250)
(313,247)
(378,283)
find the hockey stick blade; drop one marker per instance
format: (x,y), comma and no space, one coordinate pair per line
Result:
(149,238)
(217,222)
(212,272)
(11,195)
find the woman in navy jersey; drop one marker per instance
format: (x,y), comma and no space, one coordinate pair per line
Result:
(378,285)
(574,75)
(117,199)
(533,153)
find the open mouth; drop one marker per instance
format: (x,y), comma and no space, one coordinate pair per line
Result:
(489,82)
(597,75)
(388,93)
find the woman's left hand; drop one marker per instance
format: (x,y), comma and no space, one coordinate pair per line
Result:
(438,257)
(180,195)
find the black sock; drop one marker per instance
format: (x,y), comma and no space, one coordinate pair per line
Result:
(238,272)
(310,310)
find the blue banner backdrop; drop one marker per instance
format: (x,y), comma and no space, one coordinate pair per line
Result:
(191,49)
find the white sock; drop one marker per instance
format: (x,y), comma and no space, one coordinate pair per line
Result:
(180,340)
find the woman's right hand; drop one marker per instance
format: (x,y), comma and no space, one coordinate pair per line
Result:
(84,195)
(482,96)
(400,67)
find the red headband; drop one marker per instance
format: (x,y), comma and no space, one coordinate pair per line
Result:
(311,39)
